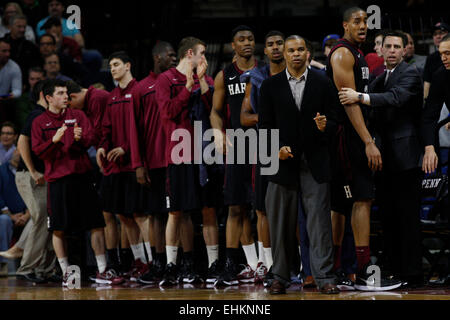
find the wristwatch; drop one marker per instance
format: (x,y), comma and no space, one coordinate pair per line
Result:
(360,97)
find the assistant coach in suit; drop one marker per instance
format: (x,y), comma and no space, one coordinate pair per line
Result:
(396,98)
(291,101)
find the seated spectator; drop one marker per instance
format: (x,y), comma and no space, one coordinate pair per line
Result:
(14,213)
(8,137)
(16,251)
(64,44)
(10,74)
(34,10)
(53,68)
(25,53)
(56,9)
(12,9)
(411,57)
(329,42)
(24,104)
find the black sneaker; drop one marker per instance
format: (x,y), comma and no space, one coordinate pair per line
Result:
(149,277)
(158,268)
(365,282)
(213,272)
(31,277)
(170,276)
(229,275)
(343,282)
(188,274)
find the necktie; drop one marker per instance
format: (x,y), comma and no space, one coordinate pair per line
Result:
(388,72)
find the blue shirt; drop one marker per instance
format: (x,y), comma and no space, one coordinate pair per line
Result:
(11,79)
(65,29)
(9,196)
(6,155)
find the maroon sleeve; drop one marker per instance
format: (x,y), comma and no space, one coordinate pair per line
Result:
(44,149)
(87,135)
(136,136)
(170,107)
(97,111)
(105,140)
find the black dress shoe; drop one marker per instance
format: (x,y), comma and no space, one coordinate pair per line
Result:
(31,277)
(329,288)
(277,287)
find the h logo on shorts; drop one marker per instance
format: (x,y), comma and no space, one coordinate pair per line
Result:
(348,193)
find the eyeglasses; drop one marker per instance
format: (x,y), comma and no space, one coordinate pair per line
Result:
(7,133)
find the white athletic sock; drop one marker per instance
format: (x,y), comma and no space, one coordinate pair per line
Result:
(268,256)
(101,263)
(213,254)
(261,255)
(300,252)
(138,252)
(63,263)
(250,254)
(171,252)
(148,248)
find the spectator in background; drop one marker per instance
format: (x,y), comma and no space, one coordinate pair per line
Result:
(53,68)
(34,10)
(56,9)
(24,52)
(329,42)
(24,103)
(433,62)
(375,61)
(10,74)
(64,44)
(13,210)
(12,9)
(8,138)
(411,57)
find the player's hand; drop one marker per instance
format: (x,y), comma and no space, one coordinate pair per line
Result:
(115,153)
(201,68)
(38,178)
(189,76)
(221,141)
(142,176)
(321,122)
(348,96)
(430,160)
(374,157)
(285,153)
(59,134)
(101,154)
(77,132)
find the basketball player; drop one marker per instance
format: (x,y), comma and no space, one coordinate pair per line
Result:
(229,90)
(348,68)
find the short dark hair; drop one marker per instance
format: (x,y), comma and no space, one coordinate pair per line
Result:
(381,33)
(186,44)
(50,85)
(240,28)
(37,89)
(17,17)
(73,87)
(396,33)
(272,34)
(121,55)
(446,38)
(160,47)
(9,124)
(348,13)
(36,69)
(52,21)
(48,35)
(294,37)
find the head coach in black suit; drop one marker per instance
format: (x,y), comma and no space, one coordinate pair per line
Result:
(396,98)
(293,102)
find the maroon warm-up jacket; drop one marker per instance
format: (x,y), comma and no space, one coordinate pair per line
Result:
(147,143)
(116,128)
(67,156)
(94,107)
(174,106)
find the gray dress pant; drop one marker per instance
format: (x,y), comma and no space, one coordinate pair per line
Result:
(282,212)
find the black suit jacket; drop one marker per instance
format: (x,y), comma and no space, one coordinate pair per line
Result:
(397,109)
(297,129)
(439,93)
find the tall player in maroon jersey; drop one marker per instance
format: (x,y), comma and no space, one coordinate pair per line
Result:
(228,89)
(348,68)
(148,156)
(119,189)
